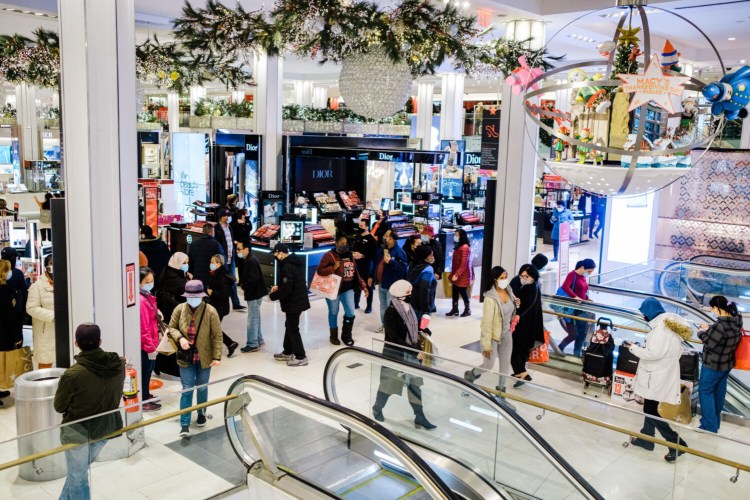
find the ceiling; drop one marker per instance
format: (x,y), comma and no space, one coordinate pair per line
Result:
(720,20)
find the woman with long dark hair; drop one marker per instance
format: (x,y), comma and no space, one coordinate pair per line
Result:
(529,332)
(462,272)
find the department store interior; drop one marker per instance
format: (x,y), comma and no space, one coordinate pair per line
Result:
(473,203)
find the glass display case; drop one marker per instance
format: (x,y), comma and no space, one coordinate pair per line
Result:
(42,175)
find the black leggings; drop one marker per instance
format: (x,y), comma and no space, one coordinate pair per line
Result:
(464,292)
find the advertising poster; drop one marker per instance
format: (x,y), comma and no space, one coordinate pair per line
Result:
(252,186)
(490,137)
(190,162)
(404,175)
(563,255)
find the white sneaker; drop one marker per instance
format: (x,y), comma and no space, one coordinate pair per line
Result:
(380,330)
(297,362)
(283,357)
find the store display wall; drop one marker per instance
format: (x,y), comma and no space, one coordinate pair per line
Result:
(708,210)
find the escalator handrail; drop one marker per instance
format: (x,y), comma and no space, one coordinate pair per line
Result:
(710,268)
(609,309)
(356,420)
(695,257)
(532,435)
(661,298)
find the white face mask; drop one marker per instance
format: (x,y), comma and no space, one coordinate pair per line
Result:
(456,239)
(526,281)
(503,284)
(194,301)
(560,209)
(425,238)
(9,275)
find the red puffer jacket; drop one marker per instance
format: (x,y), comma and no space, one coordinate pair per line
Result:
(461,267)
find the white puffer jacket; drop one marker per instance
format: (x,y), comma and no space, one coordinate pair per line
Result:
(41,308)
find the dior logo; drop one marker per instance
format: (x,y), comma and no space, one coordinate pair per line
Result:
(385,157)
(251,147)
(471,159)
(272,196)
(322,174)
(307,152)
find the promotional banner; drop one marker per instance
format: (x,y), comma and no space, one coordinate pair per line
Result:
(490,138)
(190,161)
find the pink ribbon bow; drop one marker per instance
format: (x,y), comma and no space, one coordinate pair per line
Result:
(522,75)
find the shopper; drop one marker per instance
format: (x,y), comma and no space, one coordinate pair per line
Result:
(155,249)
(720,342)
(340,261)
(241,228)
(292,295)
(171,284)
(560,215)
(254,285)
(11,316)
(540,261)
(657,378)
(529,332)
(428,238)
(390,266)
(92,386)
(200,253)
(149,336)
(226,239)
(423,281)
(462,272)
(196,327)
(41,308)
(576,287)
(45,217)
(410,246)
(364,250)
(18,283)
(498,309)
(231,204)
(219,289)
(401,335)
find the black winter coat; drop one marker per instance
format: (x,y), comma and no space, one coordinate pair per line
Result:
(396,332)
(424,287)
(170,288)
(367,246)
(157,253)
(439,254)
(222,239)
(220,284)
(240,231)
(251,279)
(200,253)
(11,320)
(292,291)
(529,332)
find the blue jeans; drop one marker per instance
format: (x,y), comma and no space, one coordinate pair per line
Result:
(76,485)
(190,376)
(254,337)
(385,299)
(346,298)
(232,266)
(712,389)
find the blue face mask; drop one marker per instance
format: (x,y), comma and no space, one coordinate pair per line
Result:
(240,255)
(214,267)
(194,301)
(147,287)
(185,268)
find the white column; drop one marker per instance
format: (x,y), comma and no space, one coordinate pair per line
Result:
(238,96)
(303,93)
(27,122)
(98,96)
(267,116)
(173,111)
(320,97)
(196,93)
(452,108)
(425,95)
(745,137)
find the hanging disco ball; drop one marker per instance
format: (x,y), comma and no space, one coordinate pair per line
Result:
(625,121)
(374,86)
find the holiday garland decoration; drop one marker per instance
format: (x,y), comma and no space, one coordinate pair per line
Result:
(34,61)
(500,57)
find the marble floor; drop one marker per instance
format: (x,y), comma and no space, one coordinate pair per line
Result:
(158,471)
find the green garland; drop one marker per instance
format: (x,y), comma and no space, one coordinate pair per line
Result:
(34,61)
(211,106)
(500,57)
(311,114)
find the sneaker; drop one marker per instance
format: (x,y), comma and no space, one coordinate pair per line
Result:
(151,407)
(247,348)
(239,308)
(261,343)
(201,421)
(185,432)
(232,347)
(297,362)
(283,357)
(368,310)
(380,330)
(642,443)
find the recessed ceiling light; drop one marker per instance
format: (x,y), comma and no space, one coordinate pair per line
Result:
(731,38)
(742,61)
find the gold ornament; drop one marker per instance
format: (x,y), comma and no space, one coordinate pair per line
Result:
(174,75)
(161,74)
(629,36)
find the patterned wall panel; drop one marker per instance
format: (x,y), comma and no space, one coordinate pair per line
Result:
(708,210)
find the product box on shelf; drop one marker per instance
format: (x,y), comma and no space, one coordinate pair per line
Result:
(265,234)
(327,202)
(623,385)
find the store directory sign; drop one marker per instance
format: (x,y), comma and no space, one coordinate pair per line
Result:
(190,163)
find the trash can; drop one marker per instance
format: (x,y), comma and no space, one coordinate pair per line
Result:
(35,411)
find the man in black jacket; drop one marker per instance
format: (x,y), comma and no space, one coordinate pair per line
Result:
(200,253)
(155,250)
(428,238)
(364,251)
(90,387)
(252,282)
(292,294)
(225,237)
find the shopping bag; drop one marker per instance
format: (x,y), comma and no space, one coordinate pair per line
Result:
(14,364)
(742,354)
(167,344)
(429,350)
(681,413)
(326,286)
(540,354)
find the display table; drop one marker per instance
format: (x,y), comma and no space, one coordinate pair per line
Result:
(269,265)
(180,238)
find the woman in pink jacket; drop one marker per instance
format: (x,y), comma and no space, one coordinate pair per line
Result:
(462,273)
(149,335)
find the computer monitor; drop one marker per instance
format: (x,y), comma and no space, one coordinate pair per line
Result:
(448,216)
(433,210)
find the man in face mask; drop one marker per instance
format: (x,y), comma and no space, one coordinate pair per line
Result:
(559,216)
(390,266)
(225,237)
(254,285)
(364,250)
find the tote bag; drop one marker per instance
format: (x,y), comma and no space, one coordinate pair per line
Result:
(681,413)
(742,354)
(326,286)
(540,354)
(14,364)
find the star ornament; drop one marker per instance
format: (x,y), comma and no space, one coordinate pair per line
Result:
(653,85)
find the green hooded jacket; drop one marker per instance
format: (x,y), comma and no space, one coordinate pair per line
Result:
(90,387)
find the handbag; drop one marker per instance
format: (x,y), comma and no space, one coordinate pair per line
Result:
(742,354)
(562,293)
(514,323)
(540,354)
(429,348)
(13,364)
(326,286)
(187,355)
(682,412)
(167,345)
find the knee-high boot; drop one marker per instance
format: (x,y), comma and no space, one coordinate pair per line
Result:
(381,398)
(346,330)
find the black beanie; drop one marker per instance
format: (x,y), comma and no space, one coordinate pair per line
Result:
(422,252)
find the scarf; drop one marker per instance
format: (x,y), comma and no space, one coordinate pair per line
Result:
(406,311)
(176,260)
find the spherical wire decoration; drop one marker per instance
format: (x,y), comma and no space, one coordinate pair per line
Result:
(614,140)
(374,86)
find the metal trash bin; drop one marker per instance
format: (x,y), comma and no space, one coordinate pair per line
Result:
(35,411)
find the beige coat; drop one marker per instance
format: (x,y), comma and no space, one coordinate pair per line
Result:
(41,307)
(209,335)
(492,318)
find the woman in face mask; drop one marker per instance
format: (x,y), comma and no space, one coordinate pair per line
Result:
(172,284)
(462,272)
(11,337)
(560,215)
(422,278)
(41,308)
(219,292)
(401,330)
(149,336)
(576,287)
(340,262)
(498,310)
(529,332)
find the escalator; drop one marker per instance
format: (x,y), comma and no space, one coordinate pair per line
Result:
(696,283)
(725,262)
(311,448)
(474,431)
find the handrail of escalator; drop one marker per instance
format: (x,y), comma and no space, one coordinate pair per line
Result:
(644,295)
(694,258)
(354,420)
(427,372)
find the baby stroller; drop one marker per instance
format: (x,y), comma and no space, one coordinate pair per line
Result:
(599,358)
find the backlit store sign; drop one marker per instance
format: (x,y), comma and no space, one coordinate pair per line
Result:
(472,159)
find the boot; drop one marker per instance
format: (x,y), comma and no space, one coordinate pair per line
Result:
(467,311)
(334,338)
(377,409)
(673,454)
(454,309)
(346,331)
(421,421)
(642,443)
